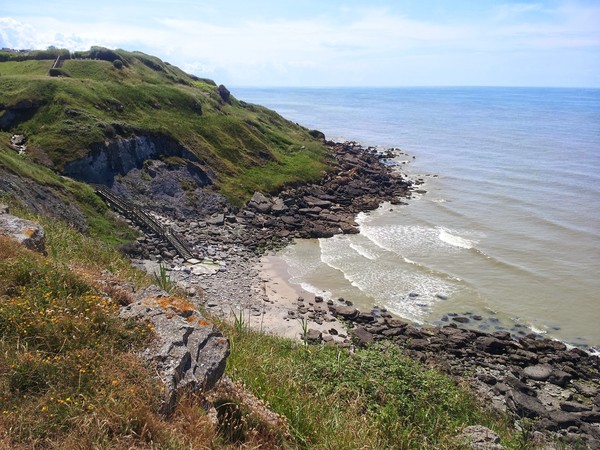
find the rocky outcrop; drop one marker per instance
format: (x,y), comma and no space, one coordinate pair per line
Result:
(39,199)
(361,182)
(119,156)
(17,113)
(188,352)
(25,232)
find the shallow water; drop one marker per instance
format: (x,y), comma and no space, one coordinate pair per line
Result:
(508,228)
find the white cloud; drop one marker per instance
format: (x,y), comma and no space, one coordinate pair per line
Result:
(324,50)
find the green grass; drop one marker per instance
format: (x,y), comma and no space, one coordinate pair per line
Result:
(64,360)
(103,225)
(373,398)
(149,96)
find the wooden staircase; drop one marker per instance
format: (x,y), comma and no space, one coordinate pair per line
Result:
(145,221)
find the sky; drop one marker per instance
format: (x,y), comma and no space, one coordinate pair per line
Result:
(323,43)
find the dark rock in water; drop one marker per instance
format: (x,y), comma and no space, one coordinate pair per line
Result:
(413,295)
(318,299)
(441,297)
(444,319)
(538,373)
(461,319)
(477,317)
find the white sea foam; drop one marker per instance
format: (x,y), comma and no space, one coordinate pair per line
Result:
(454,240)
(315,290)
(363,251)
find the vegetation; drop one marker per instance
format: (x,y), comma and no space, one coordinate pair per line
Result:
(113,93)
(69,374)
(373,398)
(68,378)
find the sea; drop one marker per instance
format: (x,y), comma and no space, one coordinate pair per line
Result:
(504,231)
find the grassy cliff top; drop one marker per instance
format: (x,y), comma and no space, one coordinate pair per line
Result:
(105,94)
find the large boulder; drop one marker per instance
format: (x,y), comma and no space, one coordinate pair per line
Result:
(260,203)
(189,353)
(25,232)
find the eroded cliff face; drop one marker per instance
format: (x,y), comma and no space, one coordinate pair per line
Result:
(117,157)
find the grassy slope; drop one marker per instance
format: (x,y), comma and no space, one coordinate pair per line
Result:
(68,379)
(248,146)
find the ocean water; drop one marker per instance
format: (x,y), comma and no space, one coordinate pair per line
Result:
(509,226)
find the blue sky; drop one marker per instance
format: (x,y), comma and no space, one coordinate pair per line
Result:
(332,42)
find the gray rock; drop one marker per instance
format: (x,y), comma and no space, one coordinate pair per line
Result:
(540,372)
(490,344)
(574,407)
(25,232)
(189,353)
(363,336)
(524,405)
(314,336)
(218,220)
(347,312)
(560,378)
(260,203)
(479,437)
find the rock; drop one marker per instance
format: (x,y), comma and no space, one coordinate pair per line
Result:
(25,232)
(260,203)
(314,336)
(347,312)
(218,219)
(4,209)
(188,353)
(461,319)
(591,416)
(540,372)
(224,93)
(560,378)
(491,345)
(564,419)
(574,407)
(478,437)
(524,405)
(363,336)
(487,378)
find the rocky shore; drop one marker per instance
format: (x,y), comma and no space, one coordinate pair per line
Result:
(543,384)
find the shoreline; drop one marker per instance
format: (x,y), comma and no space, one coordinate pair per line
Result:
(529,377)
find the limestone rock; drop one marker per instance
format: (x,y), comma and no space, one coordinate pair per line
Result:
(26,232)
(540,372)
(189,353)
(479,437)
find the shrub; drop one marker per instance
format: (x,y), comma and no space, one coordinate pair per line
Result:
(118,64)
